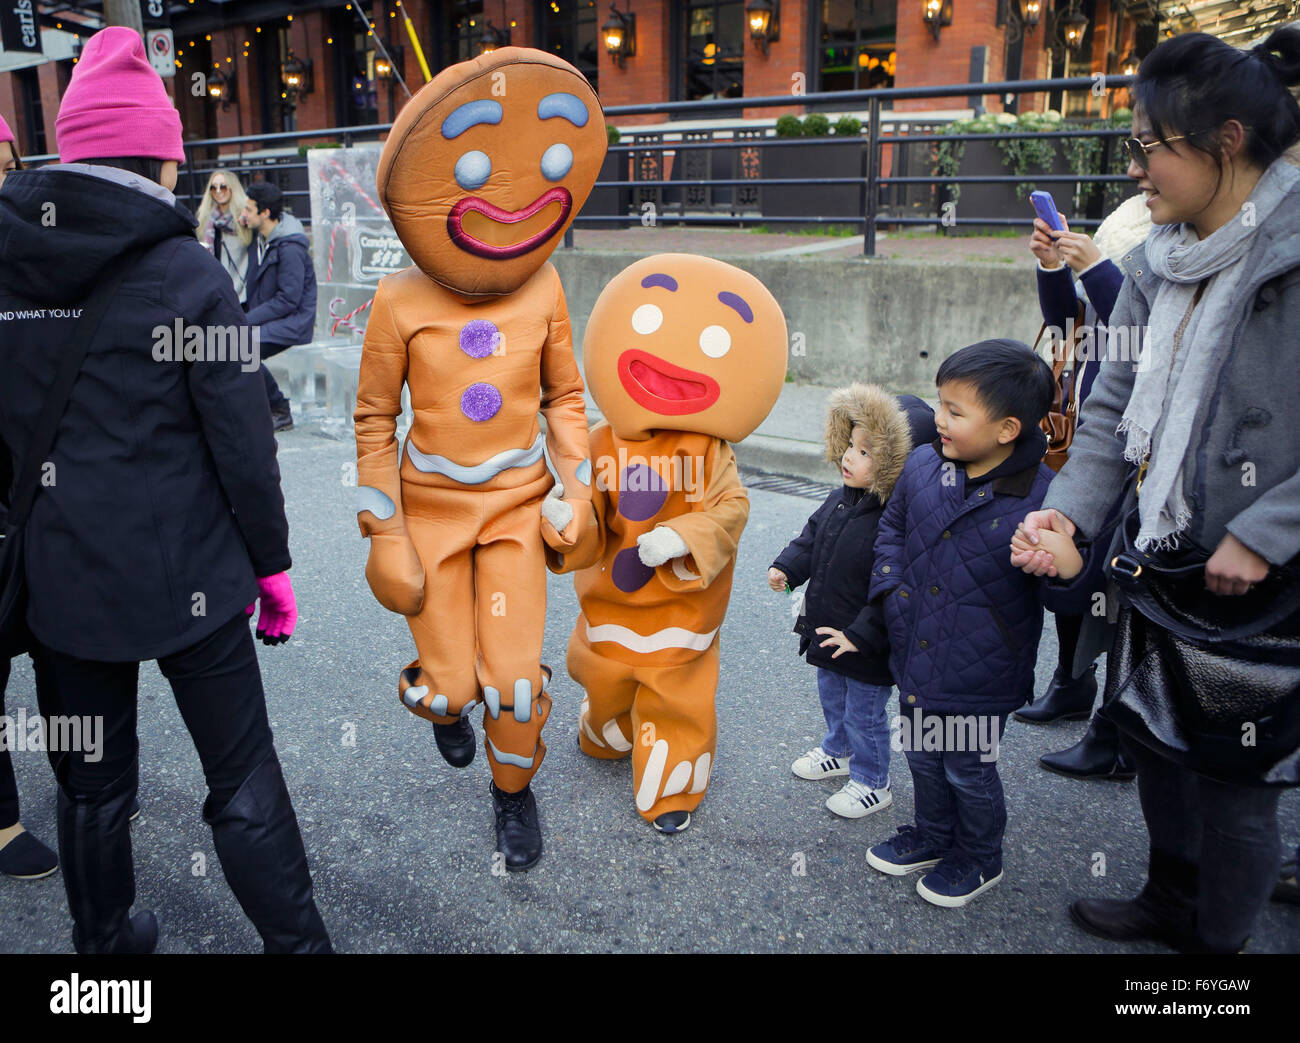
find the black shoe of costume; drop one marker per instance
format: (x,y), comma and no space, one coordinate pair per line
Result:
(1064,700)
(1096,756)
(672,821)
(257,840)
(519,829)
(1164,911)
(98,872)
(26,858)
(456,742)
(281,417)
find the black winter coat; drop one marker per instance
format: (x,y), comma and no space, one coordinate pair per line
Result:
(166,498)
(833,555)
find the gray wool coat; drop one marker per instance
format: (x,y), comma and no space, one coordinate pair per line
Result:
(1246,474)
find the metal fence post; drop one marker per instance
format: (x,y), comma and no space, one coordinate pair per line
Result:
(873,172)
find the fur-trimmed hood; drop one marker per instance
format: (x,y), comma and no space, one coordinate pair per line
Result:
(894,426)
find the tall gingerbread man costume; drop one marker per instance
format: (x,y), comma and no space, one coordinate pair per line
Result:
(683,354)
(481,174)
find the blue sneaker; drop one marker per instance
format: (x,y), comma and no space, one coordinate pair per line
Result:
(955,881)
(905,852)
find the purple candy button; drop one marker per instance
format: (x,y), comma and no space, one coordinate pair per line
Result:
(478,339)
(642,492)
(480,402)
(629,572)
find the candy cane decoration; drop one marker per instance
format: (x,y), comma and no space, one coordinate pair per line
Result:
(346,320)
(329,267)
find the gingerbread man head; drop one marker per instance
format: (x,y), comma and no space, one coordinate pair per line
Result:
(487,165)
(685,343)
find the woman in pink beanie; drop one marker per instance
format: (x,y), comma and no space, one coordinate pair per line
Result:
(8,151)
(166,519)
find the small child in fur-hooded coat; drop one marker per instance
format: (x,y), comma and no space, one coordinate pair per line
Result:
(869,433)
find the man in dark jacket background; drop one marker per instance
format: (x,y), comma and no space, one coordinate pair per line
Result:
(281,285)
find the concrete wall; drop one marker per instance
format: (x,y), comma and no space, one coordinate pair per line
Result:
(891,322)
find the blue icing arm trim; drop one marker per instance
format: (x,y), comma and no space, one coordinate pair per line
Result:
(583,472)
(377,503)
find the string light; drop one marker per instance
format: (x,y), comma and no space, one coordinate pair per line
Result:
(259,28)
(208,38)
(290,17)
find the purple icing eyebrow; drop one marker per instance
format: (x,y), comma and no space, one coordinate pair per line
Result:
(659,279)
(731,300)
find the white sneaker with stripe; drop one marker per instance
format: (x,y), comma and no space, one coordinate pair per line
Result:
(818,764)
(856,800)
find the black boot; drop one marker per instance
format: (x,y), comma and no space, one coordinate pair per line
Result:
(98,873)
(1096,756)
(1065,700)
(519,828)
(1165,910)
(257,840)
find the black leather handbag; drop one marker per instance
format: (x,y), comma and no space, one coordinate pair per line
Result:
(14,635)
(1213,681)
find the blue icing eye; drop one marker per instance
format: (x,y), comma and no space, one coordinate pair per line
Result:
(557,161)
(583,472)
(473,169)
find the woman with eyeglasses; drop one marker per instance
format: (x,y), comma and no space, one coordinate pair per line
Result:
(1208,545)
(219,228)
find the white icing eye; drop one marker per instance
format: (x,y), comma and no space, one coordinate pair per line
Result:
(715,341)
(647,318)
(557,161)
(472,170)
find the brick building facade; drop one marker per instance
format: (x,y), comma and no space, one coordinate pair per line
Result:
(685,49)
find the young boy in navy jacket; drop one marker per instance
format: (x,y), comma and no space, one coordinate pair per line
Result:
(963,622)
(869,433)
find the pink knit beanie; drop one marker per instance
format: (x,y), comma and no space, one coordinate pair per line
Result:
(5,133)
(116,105)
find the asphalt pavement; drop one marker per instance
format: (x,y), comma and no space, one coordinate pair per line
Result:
(401,844)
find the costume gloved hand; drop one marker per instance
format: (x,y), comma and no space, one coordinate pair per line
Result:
(395,573)
(659,545)
(279,613)
(556,510)
(559,515)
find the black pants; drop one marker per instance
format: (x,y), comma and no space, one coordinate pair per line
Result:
(1229,832)
(8,784)
(273,393)
(1068,628)
(218,688)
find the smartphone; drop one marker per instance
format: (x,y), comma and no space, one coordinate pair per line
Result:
(1046,209)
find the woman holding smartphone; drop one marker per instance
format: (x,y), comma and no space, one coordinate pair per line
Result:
(1209,420)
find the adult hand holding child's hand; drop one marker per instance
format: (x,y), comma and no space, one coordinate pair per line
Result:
(1026,552)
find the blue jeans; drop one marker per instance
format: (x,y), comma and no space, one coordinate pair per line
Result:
(857,725)
(958,794)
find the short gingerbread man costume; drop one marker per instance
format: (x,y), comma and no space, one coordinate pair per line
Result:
(481,174)
(682,354)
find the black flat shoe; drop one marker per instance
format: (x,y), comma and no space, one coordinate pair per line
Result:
(281,417)
(456,742)
(1063,701)
(519,828)
(672,821)
(26,858)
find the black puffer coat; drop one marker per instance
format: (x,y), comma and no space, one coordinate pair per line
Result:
(833,554)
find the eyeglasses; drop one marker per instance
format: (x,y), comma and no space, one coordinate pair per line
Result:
(1138,152)
(219,188)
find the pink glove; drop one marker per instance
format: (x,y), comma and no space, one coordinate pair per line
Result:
(279,610)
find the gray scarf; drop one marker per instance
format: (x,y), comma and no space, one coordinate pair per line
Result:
(1185,346)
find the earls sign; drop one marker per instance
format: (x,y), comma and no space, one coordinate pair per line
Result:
(18,29)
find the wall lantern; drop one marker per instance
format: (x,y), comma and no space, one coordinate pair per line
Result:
(222,88)
(493,37)
(295,76)
(764,18)
(937,14)
(1129,64)
(385,63)
(1073,26)
(619,34)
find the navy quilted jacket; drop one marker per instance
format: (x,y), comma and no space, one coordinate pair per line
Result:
(963,622)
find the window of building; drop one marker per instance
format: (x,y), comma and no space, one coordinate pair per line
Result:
(271,48)
(714,49)
(466,30)
(569,29)
(857,45)
(29,91)
(356,95)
